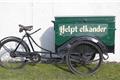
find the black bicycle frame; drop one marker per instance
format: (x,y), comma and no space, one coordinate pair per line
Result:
(29,37)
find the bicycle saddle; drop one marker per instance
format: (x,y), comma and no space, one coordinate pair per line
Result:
(26,28)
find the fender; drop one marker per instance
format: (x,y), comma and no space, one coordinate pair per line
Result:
(15,38)
(94,40)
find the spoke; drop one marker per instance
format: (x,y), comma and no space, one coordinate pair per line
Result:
(74,53)
(95,60)
(75,58)
(89,68)
(7,49)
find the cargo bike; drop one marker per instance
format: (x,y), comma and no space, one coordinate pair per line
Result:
(80,42)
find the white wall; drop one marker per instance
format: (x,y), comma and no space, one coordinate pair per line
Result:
(40,13)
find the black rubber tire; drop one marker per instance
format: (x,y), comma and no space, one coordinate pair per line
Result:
(17,40)
(72,65)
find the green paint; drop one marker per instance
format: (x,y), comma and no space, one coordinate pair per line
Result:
(67,27)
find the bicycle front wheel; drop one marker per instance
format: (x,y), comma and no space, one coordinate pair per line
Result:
(84,58)
(8,46)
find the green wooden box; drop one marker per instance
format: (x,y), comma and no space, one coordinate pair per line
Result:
(102,27)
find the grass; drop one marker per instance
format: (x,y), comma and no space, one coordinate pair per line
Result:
(109,71)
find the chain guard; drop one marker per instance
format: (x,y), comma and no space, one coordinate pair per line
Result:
(33,57)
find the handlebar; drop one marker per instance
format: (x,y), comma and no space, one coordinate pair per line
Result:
(35,31)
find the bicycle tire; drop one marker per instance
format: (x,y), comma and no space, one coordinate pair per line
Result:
(13,65)
(72,65)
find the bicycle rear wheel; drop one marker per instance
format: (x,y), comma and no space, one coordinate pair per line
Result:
(7,47)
